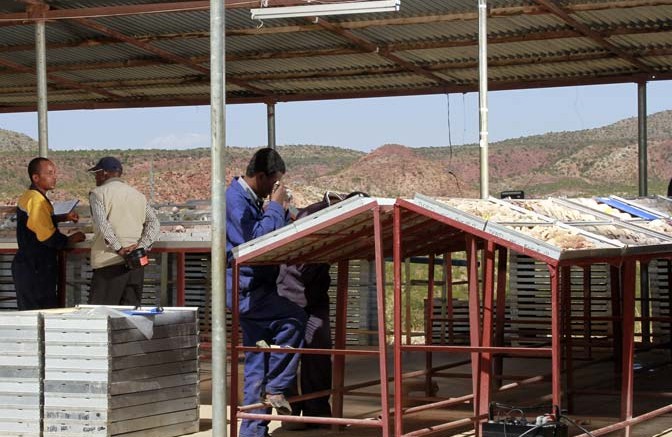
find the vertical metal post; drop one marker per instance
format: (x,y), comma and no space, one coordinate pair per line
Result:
(218,259)
(566,331)
(41,67)
(382,330)
(396,322)
(474,320)
(486,335)
(555,336)
(483,94)
(270,120)
(501,313)
(429,325)
(641,125)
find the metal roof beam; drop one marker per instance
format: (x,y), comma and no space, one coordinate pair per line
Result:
(494,12)
(59,80)
(370,47)
(541,35)
(234,98)
(556,10)
(104,11)
(170,57)
(105,30)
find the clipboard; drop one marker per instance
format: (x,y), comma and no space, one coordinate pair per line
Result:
(65,207)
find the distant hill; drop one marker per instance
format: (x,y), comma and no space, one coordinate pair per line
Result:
(15,141)
(580,163)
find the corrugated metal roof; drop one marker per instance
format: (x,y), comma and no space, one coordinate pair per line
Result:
(429,46)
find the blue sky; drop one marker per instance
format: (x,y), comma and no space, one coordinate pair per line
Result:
(362,124)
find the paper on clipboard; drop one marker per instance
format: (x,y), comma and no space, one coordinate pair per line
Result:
(65,206)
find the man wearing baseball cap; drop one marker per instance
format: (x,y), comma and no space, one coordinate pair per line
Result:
(123,221)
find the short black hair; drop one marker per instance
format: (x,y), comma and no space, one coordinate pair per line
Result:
(267,161)
(34,166)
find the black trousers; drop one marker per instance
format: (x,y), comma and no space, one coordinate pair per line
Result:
(116,285)
(316,370)
(35,283)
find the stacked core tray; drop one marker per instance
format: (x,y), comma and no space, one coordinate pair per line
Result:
(104,377)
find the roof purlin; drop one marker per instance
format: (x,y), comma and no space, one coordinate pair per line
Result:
(373,48)
(595,36)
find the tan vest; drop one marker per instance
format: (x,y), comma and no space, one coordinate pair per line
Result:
(125,209)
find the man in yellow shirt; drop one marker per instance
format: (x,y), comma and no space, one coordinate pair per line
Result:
(35,265)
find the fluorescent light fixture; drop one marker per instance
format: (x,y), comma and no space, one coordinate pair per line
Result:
(316,10)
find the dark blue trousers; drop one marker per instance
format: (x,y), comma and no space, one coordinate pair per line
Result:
(280,322)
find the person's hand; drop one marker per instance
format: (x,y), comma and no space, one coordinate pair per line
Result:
(279,194)
(72,216)
(126,250)
(77,237)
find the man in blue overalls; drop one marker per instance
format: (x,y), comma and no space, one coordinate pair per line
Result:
(264,315)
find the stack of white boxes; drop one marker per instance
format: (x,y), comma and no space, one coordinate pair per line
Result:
(21,372)
(105,377)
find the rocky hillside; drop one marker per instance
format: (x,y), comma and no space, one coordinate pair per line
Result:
(587,162)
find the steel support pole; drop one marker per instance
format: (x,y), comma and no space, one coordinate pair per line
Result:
(382,330)
(218,258)
(556,361)
(396,322)
(641,125)
(566,329)
(486,334)
(474,319)
(41,66)
(270,121)
(429,325)
(500,313)
(483,94)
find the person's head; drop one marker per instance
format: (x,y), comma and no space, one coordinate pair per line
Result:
(265,169)
(42,173)
(108,167)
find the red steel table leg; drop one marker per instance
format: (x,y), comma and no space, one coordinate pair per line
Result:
(474,318)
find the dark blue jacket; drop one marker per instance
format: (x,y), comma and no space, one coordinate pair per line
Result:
(245,221)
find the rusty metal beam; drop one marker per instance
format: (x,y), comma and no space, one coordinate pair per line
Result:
(585,30)
(236,98)
(22,18)
(369,47)
(61,81)
(164,54)
(105,30)
(495,12)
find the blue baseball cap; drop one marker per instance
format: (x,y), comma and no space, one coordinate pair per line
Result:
(108,163)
